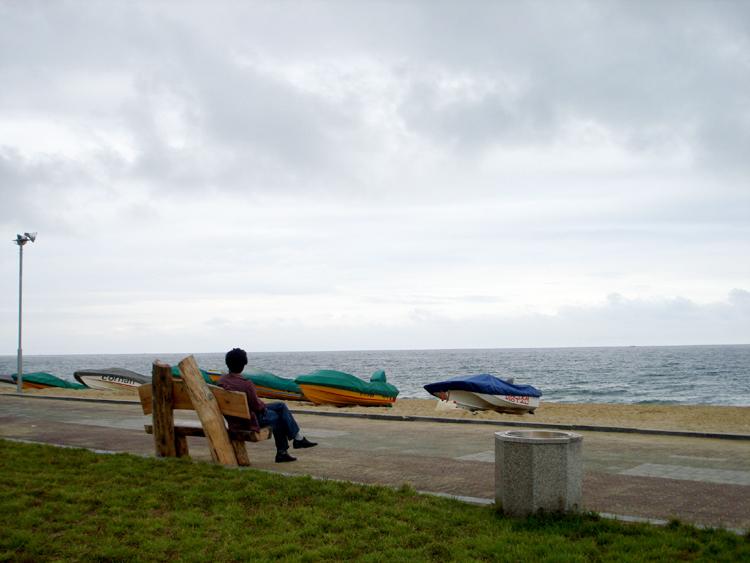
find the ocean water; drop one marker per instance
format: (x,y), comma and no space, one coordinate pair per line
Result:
(682,375)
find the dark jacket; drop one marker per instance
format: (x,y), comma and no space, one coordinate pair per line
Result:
(235,382)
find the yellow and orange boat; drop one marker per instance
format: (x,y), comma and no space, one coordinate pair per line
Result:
(270,386)
(38,380)
(267,385)
(328,387)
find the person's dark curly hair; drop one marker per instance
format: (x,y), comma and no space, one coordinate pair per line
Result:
(236,360)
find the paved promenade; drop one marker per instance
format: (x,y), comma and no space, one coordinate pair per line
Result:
(703,481)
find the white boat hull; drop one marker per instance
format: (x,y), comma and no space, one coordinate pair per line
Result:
(511,404)
(109,382)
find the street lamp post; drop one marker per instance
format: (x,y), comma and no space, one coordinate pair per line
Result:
(20,240)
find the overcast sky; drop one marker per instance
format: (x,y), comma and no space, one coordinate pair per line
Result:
(374,175)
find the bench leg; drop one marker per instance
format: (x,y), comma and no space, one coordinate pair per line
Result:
(241,452)
(214,455)
(182,446)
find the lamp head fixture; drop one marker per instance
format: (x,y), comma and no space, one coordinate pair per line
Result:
(24,238)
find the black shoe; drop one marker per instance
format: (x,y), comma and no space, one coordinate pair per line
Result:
(284,456)
(303,443)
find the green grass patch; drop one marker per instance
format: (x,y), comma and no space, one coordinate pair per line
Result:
(59,504)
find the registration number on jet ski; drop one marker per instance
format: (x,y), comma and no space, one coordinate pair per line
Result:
(516,399)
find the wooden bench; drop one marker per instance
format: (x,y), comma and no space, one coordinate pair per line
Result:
(165,395)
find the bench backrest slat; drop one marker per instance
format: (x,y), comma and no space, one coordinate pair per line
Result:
(231,403)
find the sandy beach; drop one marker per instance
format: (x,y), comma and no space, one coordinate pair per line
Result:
(729,420)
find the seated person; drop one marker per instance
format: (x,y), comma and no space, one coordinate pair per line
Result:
(273,415)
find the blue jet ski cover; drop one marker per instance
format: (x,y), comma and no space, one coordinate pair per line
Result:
(483,383)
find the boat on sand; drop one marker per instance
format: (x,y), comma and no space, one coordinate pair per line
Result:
(210,376)
(41,380)
(329,387)
(486,392)
(7,381)
(267,385)
(111,379)
(270,386)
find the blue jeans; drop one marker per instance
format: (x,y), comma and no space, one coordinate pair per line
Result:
(280,420)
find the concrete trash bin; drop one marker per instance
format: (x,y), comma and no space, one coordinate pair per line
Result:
(538,469)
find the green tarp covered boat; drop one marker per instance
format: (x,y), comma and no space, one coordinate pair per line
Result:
(329,387)
(270,386)
(267,385)
(209,377)
(42,380)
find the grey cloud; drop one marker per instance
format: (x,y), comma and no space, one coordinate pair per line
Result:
(54,190)
(30,188)
(618,322)
(659,76)
(218,323)
(665,320)
(268,123)
(319,148)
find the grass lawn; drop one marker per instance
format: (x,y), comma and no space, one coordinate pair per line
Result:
(60,504)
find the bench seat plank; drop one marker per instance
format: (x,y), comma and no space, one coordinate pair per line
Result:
(244,435)
(232,403)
